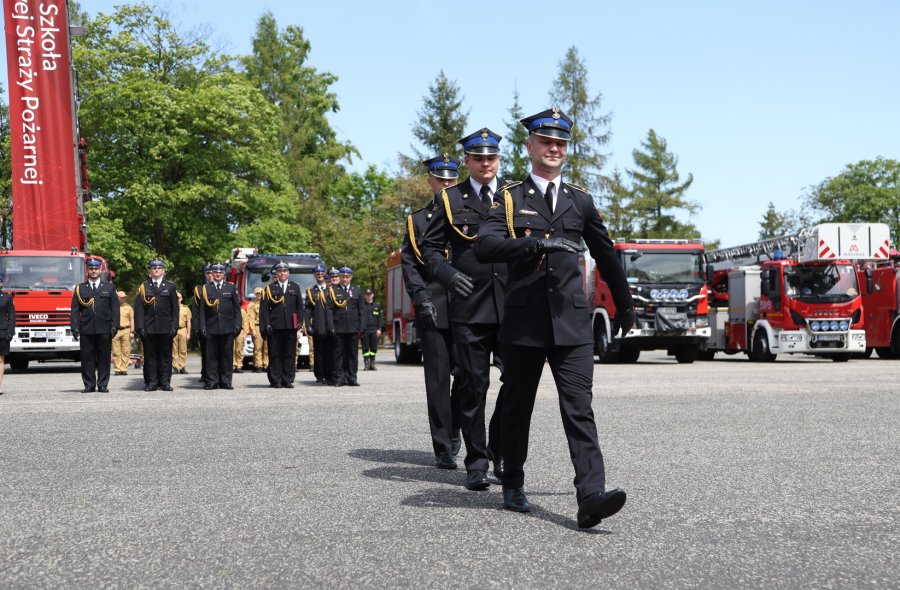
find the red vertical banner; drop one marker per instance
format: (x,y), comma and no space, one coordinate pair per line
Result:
(44,185)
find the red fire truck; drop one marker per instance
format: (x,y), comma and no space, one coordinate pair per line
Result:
(399,310)
(880,283)
(670,297)
(48,182)
(248,269)
(804,298)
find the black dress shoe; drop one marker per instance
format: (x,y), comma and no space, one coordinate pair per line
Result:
(477,480)
(257,370)
(183,371)
(225,387)
(275,385)
(514,499)
(238,371)
(150,388)
(595,507)
(444,461)
(495,458)
(88,390)
(103,389)
(288,385)
(354,384)
(166,387)
(208,387)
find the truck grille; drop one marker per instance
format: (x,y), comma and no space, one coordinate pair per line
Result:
(52,318)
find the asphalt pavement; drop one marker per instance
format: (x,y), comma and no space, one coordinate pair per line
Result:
(739,475)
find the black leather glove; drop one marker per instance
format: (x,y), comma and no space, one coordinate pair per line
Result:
(426,315)
(9,336)
(547,245)
(269,331)
(237,332)
(173,332)
(114,331)
(142,333)
(332,333)
(75,335)
(203,333)
(625,320)
(461,285)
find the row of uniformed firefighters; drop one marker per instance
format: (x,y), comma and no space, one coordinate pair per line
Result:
(336,315)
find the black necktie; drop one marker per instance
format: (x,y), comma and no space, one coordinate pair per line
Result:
(548,196)
(485,195)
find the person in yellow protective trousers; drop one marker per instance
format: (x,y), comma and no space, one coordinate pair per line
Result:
(182,337)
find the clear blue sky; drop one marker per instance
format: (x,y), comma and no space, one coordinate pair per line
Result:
(758,100)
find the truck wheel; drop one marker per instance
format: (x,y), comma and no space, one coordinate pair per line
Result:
(706,355)
(884,352)
(629,354)
(17,363)
(686,356)
(760,351)
(840,358)
(601,346)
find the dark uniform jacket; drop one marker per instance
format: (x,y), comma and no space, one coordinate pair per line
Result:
(220,311)
(458,215)
(420,283)
(319,317)
(346,302)
(95,311)
(156,310)
(545,303)
(195,308)
(372,316)
(7,315)
(282,310)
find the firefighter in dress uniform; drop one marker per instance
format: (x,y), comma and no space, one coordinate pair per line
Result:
(476,297)
(220,323)
(260,344)
(7,326)
(371,328)
(346,298)
(94,321)
(121,342)
(537,226)
(279,318)
(319,321)
(195,317)
(156,322)
(433,321)
(182,338)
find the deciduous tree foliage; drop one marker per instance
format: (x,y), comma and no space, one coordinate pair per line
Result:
(176,170)
(867,191)
(658,194)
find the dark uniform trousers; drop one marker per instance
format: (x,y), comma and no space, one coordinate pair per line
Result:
(346,356)
(438,358)
(319,322)
(95,324)
(220,318)
(474,320)
(195,329)
(370,342)
(546,318)
(159,320)
(282,311)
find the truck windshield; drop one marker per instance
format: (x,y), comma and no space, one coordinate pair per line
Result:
(41,272)
(254,280)
(681,268)
(834,283)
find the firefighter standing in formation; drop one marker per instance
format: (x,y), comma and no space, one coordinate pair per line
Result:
(260,344)
(182,337)
(121,342)
(476,296)
(156,322)
(195,317)
(432,315)
(319,325)
(7,326)
(371,328)
(279,318)
(220,323)
(346,298)
(94,321)
(537,227)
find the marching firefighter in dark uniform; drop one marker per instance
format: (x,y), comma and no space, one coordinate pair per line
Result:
(433,321)
(371,328)
(94,321)
(196,302)
(346,299)
(279,318)
(220,323)
(537,227)
(7,326)
(476,296)
(320,324)
(156,322)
